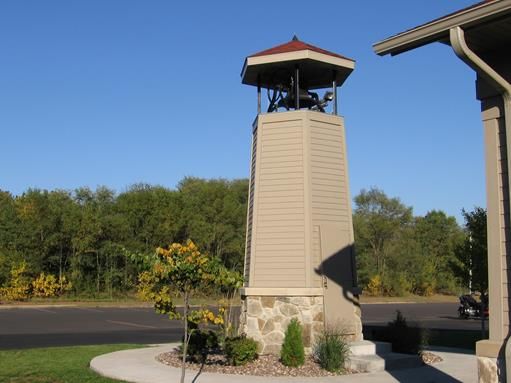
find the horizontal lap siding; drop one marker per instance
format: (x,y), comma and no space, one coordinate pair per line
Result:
(504,220)
(328,175)
(279,236)
(316,256)
(250,214)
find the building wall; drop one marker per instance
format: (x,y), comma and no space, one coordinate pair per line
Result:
(250,210)
(330,196)
(298,184)
(276,236)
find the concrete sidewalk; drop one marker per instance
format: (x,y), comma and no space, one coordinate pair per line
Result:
(140,366)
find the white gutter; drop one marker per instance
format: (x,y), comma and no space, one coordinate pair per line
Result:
(460,47)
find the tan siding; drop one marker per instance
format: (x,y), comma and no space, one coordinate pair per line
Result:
(285,162)
(293,167)
(329,179)
(281,176)
(283,205)
(279,259)
(282,242)
(316,256)
(276,155)
(332,219)
(503,195)
(301,184)
(250,214)
(282,226)
(279,193)
(281,278)
(279,236)
(283,186)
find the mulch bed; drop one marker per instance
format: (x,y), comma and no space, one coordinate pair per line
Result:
(265,365)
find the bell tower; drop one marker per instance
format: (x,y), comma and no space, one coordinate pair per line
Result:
(299,260)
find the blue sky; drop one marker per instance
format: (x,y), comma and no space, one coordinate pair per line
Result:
(115,92)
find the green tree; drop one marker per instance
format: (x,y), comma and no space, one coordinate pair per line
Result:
(437,235)
(9,226)
(62,211)
(152,215)
(471,256)
(86,263)
(379,222)
(214,214)
(35,227)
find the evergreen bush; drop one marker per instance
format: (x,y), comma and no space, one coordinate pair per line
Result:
(404,338)
(292,353)
(201,344)
(240,350)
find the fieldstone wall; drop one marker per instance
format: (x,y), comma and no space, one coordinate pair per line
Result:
(488,370)
(354,332)
(265,319)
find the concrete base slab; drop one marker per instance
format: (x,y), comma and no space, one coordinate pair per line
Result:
(366,347)
(367,356)
(140,366)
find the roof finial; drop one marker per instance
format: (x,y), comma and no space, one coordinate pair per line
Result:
(295,38)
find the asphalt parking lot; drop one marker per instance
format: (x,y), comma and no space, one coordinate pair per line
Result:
(63,326)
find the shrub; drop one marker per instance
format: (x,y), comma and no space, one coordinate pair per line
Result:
(375,286)
(404,338)
(47,286)
(331,350)
(240,350)
(399,284)
(201,344)
(19,287)
(292,353)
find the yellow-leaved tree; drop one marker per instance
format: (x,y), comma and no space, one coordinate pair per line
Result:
(181,269)
(19,287)
(48,286)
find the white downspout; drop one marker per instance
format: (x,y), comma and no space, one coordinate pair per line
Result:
(457,37)
(460,47)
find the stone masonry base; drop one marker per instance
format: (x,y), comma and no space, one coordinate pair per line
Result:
(488,370)
(265,319)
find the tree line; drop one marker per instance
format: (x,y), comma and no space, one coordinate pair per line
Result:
(87,236)
(399,253)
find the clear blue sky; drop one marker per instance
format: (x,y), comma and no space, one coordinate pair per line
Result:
(115,92)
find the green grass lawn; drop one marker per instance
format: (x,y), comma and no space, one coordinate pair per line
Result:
(54,365)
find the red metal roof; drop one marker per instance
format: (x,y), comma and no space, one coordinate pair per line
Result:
(296,45)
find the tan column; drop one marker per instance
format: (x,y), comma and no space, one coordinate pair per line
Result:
(497,190)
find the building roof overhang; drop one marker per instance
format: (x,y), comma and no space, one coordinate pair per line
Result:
(487,26)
